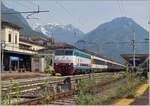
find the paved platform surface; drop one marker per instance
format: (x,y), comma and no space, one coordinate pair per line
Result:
(143,99)
(20,75)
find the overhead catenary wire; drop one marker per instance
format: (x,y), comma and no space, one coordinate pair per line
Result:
(31,4)
(123,7)
(69,13)
(52,14)
(26,12)
(24,4)
(120,8)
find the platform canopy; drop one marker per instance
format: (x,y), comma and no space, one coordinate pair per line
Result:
(139,58)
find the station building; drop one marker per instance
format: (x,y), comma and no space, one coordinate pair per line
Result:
(17,51)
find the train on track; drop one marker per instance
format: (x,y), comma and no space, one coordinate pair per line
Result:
(71,61)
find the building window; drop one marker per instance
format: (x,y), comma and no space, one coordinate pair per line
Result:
(9,37)
(16,39)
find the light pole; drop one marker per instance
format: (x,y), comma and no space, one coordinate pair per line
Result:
(147,41)
(2,54)
(134,65)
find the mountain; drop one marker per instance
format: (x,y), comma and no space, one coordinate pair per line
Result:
(61,33)
(18,19)
(114,38)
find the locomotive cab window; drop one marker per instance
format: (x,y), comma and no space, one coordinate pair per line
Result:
(69,52)
(64,52)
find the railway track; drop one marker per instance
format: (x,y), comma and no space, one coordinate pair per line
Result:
(25,87)
(67,98)
(34,85)
(51,98)
(65,101)
(103,88)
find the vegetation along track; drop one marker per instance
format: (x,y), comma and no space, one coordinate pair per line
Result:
(69,96)
(34,84)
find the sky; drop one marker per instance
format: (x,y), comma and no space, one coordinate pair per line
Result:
(83,14)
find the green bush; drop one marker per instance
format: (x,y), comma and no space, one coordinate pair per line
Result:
(49,69)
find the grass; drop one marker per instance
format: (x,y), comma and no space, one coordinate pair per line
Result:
(47,94)
(18,91)
(126,88)
(6,100)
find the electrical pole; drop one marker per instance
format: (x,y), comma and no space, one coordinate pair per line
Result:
(134,49)
(134,65)
(2,55)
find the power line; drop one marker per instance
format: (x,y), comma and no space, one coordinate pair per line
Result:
(24,12)
(20,4)
(30,13)
(123,7)
(29,16)
(120,9)
(68,12)
(23,4)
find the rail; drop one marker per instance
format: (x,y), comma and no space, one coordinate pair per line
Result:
(53,97)
(66,94)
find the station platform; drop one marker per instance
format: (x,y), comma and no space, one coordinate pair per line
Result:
(143,99)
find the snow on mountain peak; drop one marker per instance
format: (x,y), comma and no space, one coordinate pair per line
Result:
(66,33)
(54,24)
(44,31)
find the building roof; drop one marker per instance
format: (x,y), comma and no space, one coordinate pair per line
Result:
(40,38)
(29,41)
(139,58)
(45,51)
(10,24)
(62,46)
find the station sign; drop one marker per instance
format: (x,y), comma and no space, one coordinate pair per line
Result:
(136,59)
(14,58)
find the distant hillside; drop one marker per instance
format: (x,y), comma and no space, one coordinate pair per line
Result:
(111,38)
(19,20)
(61,33)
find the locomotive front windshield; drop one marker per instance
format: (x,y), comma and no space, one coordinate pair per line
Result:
(64,52)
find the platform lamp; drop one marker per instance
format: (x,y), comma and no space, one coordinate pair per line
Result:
(147,41)
(3,45)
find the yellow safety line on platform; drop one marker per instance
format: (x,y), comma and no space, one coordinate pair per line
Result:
(141,90)
(125,101)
